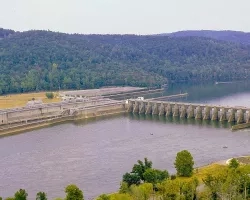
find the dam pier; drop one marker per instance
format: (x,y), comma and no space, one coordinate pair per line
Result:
(239,115)
(85,104)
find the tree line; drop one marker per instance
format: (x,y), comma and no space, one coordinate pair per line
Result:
(72,193)
(45,60)
(230,182)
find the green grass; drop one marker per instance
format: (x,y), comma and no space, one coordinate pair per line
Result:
(18,100)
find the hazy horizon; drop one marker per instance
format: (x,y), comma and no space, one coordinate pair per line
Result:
(124,17)
(117,33)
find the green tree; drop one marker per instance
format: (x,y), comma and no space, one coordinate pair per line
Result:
(155,176)
(21,195)
(124,188)
(141,167)
(49,95)
(234,163)
(215,182)
(141,192)
(184,163)
(41,196)
(188,189)
(10,198)
(131,178)
(147,190)
(103,197)
(73,193)
(118,196)
(169,189)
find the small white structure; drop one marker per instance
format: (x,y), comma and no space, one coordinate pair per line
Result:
(140,98)
(34,102)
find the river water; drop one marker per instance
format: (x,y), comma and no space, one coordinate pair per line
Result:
(94,154)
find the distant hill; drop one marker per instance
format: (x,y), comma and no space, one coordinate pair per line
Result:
(229,36)
(5,32)
(45,60)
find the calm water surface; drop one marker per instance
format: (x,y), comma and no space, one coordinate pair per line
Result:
(94,154)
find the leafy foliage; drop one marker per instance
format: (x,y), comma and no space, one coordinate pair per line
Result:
(230,36)
(141,167)
(234,163)
(49,95)
(45,60)
(131,178)
(21,195)
(5,32)
(120,197)
(73,193)
(41,196)
(155,175)
(10,198)
(184,163)
(143,191)
(231,184)
(103,197)
(124,187)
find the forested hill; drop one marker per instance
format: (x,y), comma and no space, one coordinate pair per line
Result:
(44,60)
(5,32)
(229,36)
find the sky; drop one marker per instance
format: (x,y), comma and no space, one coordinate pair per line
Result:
(125,16)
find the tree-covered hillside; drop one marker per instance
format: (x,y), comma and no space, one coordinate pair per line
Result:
(229,36)
(44,60)
(5,32)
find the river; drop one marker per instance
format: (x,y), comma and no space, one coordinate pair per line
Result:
(94,154)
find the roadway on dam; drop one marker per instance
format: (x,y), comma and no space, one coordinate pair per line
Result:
(95,153)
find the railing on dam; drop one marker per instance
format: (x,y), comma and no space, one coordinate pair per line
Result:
(190,110)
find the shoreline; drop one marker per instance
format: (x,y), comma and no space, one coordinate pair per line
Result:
(221,162)
(49,122)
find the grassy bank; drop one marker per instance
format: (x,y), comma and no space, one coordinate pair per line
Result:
(18,100)
(218,171)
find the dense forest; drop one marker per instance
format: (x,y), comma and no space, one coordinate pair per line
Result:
(230,36)
(45,60)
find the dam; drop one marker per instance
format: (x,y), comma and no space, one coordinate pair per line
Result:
(190,110)
(85,104)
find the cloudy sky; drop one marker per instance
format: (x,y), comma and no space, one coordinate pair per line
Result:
(125,16)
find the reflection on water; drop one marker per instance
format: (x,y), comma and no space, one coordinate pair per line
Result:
(178,120)
(232,94)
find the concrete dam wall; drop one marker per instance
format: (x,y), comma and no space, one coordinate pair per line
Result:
(189,110)
(55,110)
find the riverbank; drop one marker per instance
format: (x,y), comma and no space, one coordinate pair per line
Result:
(200,173)
(20,128)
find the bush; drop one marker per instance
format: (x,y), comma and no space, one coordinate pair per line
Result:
(234,163)
(103,197)
(49,95)
(173,176)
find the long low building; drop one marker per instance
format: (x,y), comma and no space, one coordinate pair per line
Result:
(43,111)
(99,92)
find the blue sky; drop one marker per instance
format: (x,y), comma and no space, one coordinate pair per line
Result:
(125,16)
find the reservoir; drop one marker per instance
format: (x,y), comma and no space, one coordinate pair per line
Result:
(94,154)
